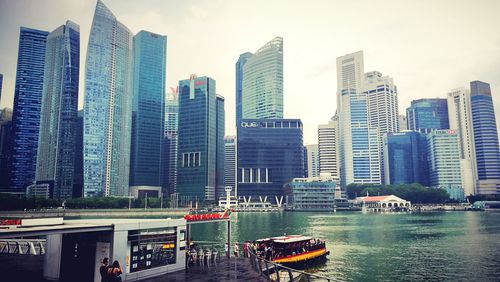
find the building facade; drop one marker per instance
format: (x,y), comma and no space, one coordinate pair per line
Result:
(443,151)
(230,163)
(220,147)
(198,143)
(311,194)
(1,83)
(358,141)
(402,123)
(27,106)
(312,160)
(405,158)
(425,115)
(239,84)
(148,108)
(59,109)
(270,153)
(328,148)
(262,83)
(107,106)
(170,142)
(487,151)
(5,148)
(78,170)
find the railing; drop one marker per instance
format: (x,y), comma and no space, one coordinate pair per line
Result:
(22,247)
(276,272)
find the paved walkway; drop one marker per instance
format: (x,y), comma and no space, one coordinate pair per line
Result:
(234,269)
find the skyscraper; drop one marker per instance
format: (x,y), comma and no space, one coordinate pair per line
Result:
(1,82)
(169,171)
(56,143)
(328,148)
(220,146)
(425,115)
(148,108)
(405,158)
(312,160)
(402,123)
(107,106)
(199,107)
(5,148)
(443,150)
(27,105)
(239,83)
(78,170)
(262,84)
(230,162)
(460,118)
(358,141)
(485,138)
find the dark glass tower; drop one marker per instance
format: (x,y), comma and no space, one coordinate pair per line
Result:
(27,106)
(424,115)
(485,138)
(148,109)
(270,153)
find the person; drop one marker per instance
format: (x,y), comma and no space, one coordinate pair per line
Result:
(269,253)
(236,249)
(226,248)
(245,248)
(103,270)
(114,272)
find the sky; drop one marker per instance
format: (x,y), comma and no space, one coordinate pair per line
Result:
(429,47)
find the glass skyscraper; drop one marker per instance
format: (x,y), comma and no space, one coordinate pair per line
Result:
(239,83)
(198,166)
(5,147)
(56,143)
(485,138)
(27,106)
(107,106)
(405,158)
(148,109)
(1,83)
(424,115)
(270,153)
(262,84)
(443,151)
(170,142)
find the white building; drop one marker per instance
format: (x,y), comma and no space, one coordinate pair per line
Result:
(402,123)
(327,148)
(312,160)
(383,203)
(460,117)
(230,162)
(444,159)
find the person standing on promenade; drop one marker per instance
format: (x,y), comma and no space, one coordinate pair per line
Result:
(114,272)
(245,249)
(103,270)
(226,248)
(236,249)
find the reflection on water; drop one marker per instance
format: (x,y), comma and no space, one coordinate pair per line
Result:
(383,247)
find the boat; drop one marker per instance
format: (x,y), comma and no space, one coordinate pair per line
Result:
(294,251)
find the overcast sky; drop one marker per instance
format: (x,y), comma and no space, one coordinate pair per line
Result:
(428,47)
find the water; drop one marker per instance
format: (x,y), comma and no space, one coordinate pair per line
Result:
(451,246)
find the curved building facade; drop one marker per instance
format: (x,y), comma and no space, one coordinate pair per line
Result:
(107,106)
(262,86)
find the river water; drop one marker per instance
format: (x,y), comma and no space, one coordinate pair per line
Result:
(450,246)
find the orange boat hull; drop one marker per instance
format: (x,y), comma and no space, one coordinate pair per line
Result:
(302,257)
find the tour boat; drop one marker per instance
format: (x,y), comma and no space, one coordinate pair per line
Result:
(294,250)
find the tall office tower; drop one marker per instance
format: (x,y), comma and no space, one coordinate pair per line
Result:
(59,109)
(443,151)
(358,141)
(460,118)
(230,163)
(312,160)
(220,147)
(405,158)
(402,123)
(425,115)
(27,106)
(1,82)
(170,142)
(107,106)
(270,153)
(382,103)
(262,84)
(239,83)
(78,170)
(148,109)
(199,107)
(328,148)
(5,148)
(485,138)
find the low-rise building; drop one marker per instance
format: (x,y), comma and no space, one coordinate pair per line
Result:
(383,203)
(312,194)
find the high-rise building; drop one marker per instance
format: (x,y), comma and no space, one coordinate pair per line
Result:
(358,141)
(262,83)
(328,148)
(107,106)
(78,170)
(230,162)
(59,109)
(1,82)
(239,83)
(382,105)
(443,151)
(5,148)
(402,123)
(312,160)
(460,118)
(425,115)
(198,145)
(270,153)
(487,151)
(27,106)
(170,142)
(405,158)
(220,147)
(148,109)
